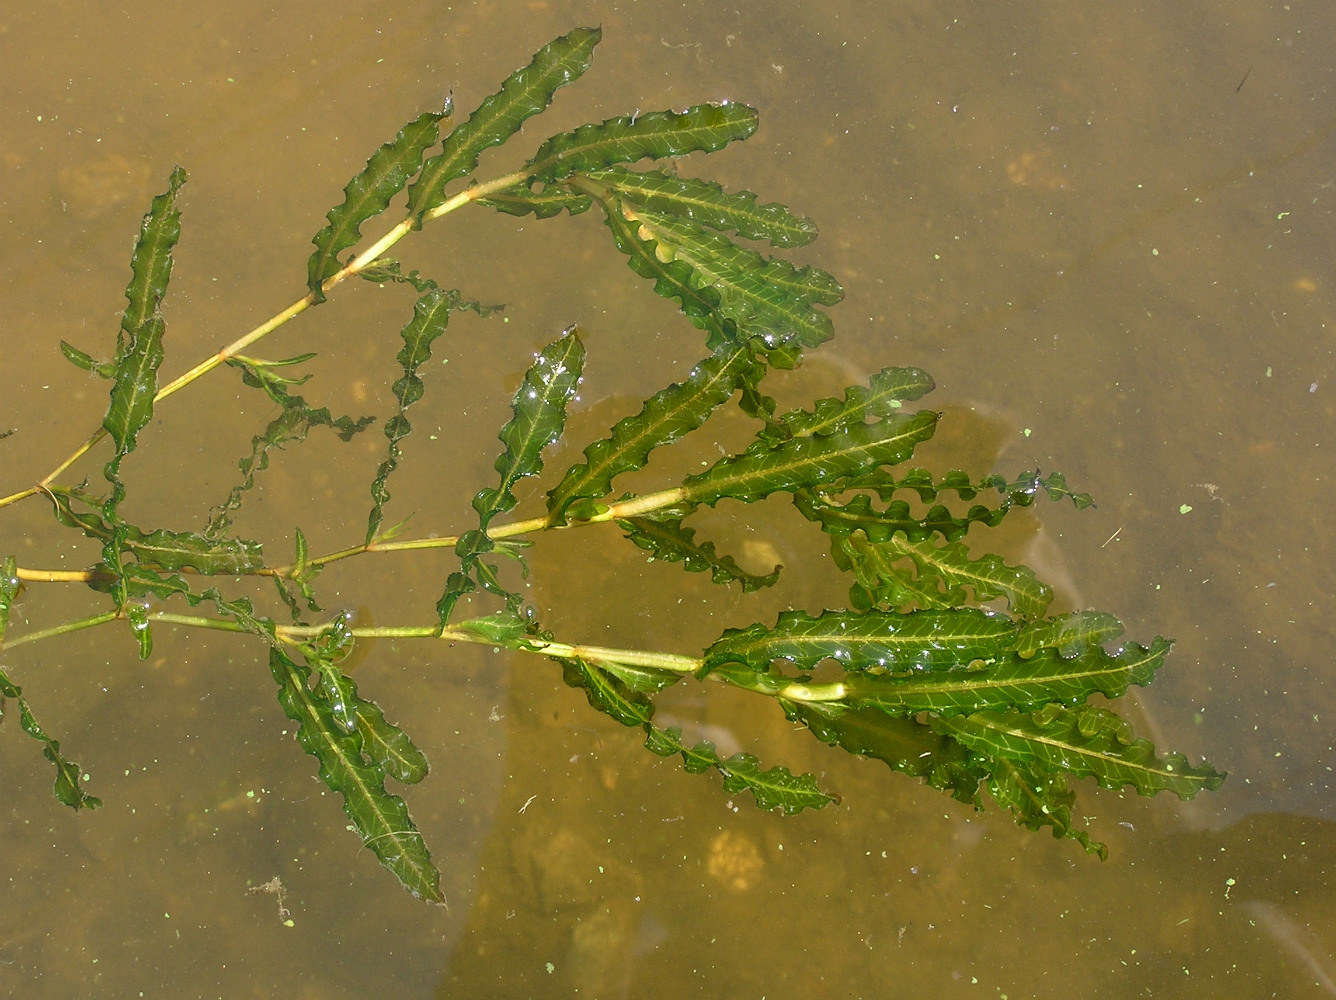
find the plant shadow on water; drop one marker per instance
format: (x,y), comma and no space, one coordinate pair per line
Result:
(571,860)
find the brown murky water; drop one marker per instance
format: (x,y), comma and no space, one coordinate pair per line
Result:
(1101,228)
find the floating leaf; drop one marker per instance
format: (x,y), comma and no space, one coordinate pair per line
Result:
(656,134)
(1084,740)
(431,313)
(524,94)
(665,417)
(368,194)
(811,461)
(670,541)
(380,818)
(708,204)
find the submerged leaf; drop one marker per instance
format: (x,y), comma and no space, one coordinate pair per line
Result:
(368,194)
(942,572)
(81,359)
(293,424)
(883,396)
(670,541)
(539,409)
(673,279)
(809,462)
(1038,799)
(665,417)
(775,788)
(765,297)
(431,313)
(524,94)
(708,204)
(903,744)
(519,200)
(917,642)
(380,818)
(139,344)
(69,777)
(656,134)
(1084,740)
(1010,680)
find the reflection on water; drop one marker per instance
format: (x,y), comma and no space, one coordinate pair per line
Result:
(1107,251)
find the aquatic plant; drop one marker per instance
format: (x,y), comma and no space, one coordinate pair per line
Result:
(945,665)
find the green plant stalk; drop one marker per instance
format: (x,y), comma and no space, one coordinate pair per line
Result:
(633,507)
(354,267)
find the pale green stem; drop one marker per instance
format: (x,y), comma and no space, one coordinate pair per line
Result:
(294,633)
(358,264)
(63,629)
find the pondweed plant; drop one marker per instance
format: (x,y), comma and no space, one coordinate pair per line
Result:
(947,665)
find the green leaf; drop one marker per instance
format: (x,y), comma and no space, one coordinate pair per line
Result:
(539,409)
(665,417)
(607,693)
(1019,493)
(670,541)
(1084,740)
(858,514)
(1037,799)
(431,313)
(673,279)
(903,744)
(524,94)
(1011,679)
(76,357)
(539,416)
(293,424)
(708,204)
(916,642)
(503,628)
(810,462)
(883,396)
(775,788)
(368,194)
(387,745)
(942,574)
(766,297)
(175,550)
(519,200)
(68,786)
(160,549)
(139,344)
(656,134)
(380,818)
